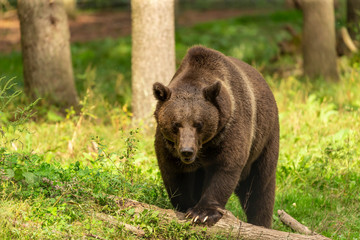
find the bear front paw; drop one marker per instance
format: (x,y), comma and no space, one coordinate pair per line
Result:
(208,216)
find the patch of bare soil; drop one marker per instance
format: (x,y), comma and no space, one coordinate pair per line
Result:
(108,24)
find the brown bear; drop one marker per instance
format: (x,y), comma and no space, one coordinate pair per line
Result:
(217,133)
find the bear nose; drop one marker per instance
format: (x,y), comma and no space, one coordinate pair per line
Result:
(186,152)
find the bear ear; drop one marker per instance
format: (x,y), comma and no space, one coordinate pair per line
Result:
(161,92)
(212,91)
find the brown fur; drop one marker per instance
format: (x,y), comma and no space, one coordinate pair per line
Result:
(217,132)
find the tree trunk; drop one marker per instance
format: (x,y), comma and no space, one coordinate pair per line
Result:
(153,52)
(70,8)
(46,53)
(353,18)
(319,48)
(293,4)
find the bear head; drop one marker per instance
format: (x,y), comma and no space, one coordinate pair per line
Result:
(188,116)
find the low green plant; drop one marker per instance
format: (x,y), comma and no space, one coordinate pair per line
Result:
(12,121)
(18,117)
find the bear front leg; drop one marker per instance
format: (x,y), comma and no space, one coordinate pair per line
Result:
(180,188)
(219,184)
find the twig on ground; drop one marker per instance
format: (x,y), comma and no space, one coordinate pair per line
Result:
(110,219)
(94,236)
(293,223)
(77,129)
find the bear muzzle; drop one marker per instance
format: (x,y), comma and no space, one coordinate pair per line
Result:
(187,155)
(187,145)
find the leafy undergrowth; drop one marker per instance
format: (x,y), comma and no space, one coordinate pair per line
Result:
(59,172)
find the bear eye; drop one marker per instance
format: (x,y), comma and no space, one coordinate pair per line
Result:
(176,126)
(198,125)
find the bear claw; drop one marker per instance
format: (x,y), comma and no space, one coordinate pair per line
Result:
(208,216)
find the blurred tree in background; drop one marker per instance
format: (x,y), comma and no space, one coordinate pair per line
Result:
(319,46)
(45,45)
(153,51)
(353,17)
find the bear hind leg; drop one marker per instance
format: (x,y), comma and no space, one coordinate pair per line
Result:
(257,192)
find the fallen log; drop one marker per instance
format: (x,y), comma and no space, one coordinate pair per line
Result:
(228,225)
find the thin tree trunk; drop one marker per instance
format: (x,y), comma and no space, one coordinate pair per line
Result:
(45,37)
(319,48)
(353,18)
(153,52)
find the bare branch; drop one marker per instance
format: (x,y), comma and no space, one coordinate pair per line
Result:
(293,223)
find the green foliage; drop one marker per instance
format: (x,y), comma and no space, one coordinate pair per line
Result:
(6,98)
(250,38)
(59,172)
(110,59)
(318,168)
(11,121)
(216,4)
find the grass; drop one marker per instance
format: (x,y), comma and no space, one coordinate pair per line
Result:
(57,173)
(318,171)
